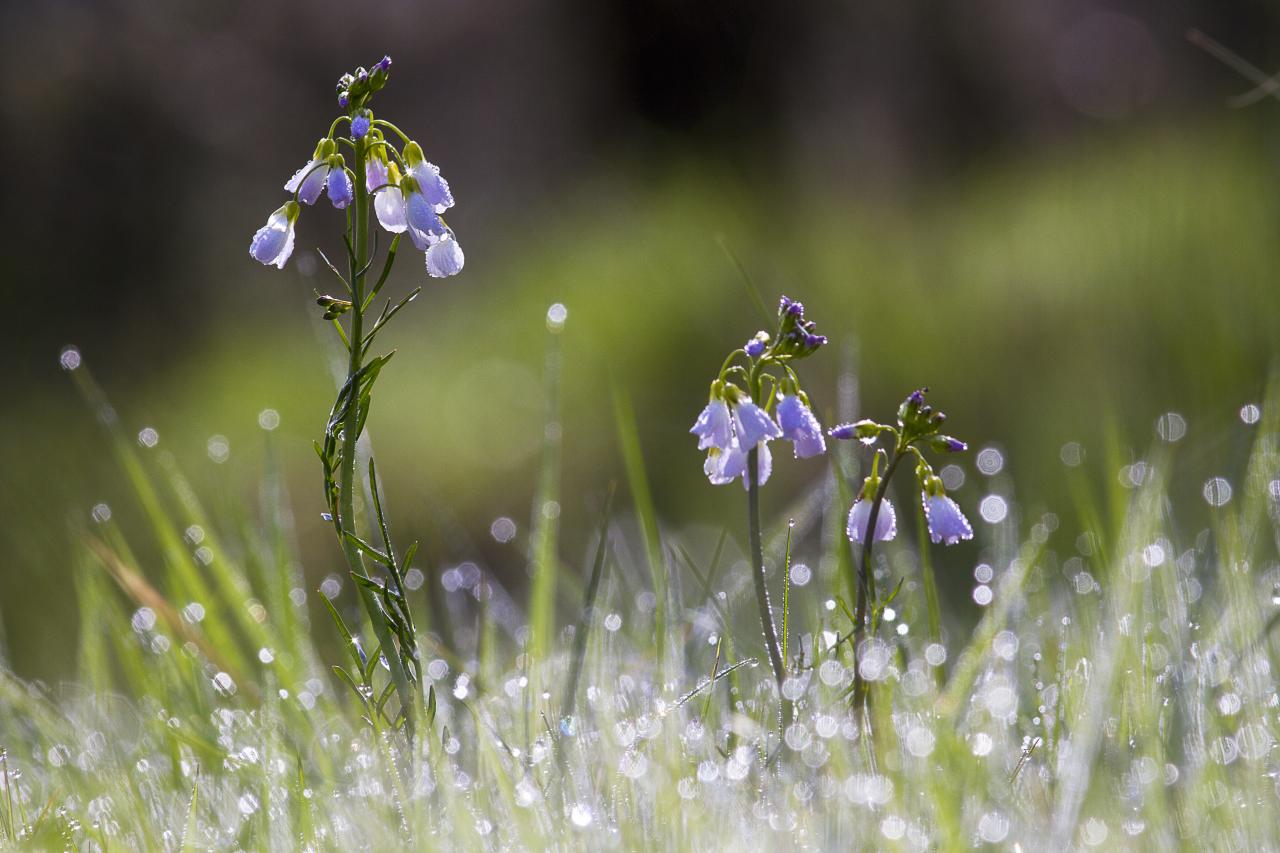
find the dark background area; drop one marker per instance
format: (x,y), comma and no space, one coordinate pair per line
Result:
(1045,210)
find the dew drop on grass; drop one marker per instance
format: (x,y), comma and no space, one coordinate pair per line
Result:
(144,619)
(580,814)
(1171,427)
(556,315)
(982,595)
(612,622)
(248,804)
(1250,413)
(223,683)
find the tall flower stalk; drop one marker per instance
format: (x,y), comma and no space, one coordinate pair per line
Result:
(872,517)
(405,193)
(757,397)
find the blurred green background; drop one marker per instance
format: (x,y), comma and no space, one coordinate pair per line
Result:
(1048,214)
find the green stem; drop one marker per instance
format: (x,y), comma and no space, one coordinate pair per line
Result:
(865,581)
(350,438)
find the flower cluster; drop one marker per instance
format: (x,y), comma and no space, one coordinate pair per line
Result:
(918,426)
(750,405)
(408,192)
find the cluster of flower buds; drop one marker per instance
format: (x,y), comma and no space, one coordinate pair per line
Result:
(918,426)
(409,193)
(750,406)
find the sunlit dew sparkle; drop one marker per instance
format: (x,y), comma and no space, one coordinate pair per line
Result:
(989,461)
(69,358)
(1171,427)
(503,529)
(556,315)
(993,509)
(148,437)
(1250,413)
(268,419)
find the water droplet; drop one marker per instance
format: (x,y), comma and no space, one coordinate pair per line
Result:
(580,814)
(148,437)
(1171,427)
(268,419)
(69,358)
(993,509)
(1217,491)
(800,574)
(1250,413)
(503,529)
(989,461)
(556,315)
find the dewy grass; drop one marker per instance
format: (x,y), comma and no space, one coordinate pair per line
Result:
(1118,692)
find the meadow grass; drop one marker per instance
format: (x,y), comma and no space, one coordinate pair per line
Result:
(1117,693)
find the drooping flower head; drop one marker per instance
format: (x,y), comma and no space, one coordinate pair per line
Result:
(406,192)
(754,403)
(946,522)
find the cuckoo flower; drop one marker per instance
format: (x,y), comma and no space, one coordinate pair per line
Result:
(860,516)
(444,258)
(433,187)
(714,427)
(341,193)
(308,182)
(273,243)
(800,427)
(947,523)
(752,424)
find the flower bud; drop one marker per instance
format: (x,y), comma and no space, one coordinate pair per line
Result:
(947,444)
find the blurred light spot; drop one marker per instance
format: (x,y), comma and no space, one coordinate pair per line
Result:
(193,612)
(100,513)
(219,448)
(800,574)
(330,587)
(1153,555)
(580,815)
(266,655)
(1171,427)
(894,827)
(503,529)
(952,477)
(223,684)
(551,510)
(556,315)
(69,358)
(144,619)
(993,509)
(1005,645)
(148,437)
(1250,413)
(1217,491)
(935,654)
(1072,454)
(983,573)
(268,419)
(1107,66)
(993,827)
(414,578)
(990,461)
(982,595)
(612,622)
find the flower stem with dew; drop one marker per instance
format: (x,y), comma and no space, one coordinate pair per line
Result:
(359,262)
(866,584)
(757,573)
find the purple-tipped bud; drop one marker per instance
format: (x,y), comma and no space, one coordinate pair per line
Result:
(384,64)
(783,304)
(359,126)
(947,444)
(344,99)
(916,397)
(755,347)
(361,75)
(843,432)
(795,309)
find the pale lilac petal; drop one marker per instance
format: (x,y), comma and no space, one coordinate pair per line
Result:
(445,258)
(860,515)
(764,466)
(434,187)
(273,242)
(341,192)
(291,185)
(947,523)
(714,426)
(375,173)
(800,427)
(389,206)
(425,226)
(313,184)
(753,424)
(714,467)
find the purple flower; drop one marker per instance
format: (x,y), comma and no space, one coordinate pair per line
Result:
(947,523)
(753,425)
(344,100)
(433,187)
(273,243)
(755,347)
(444,258)
(734,464)
(340,190)
(384,64)
(388,201)
(359,126)
(860,514)
(714,426)
(308,182)
(424,223)
(714,466)
(800,427)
